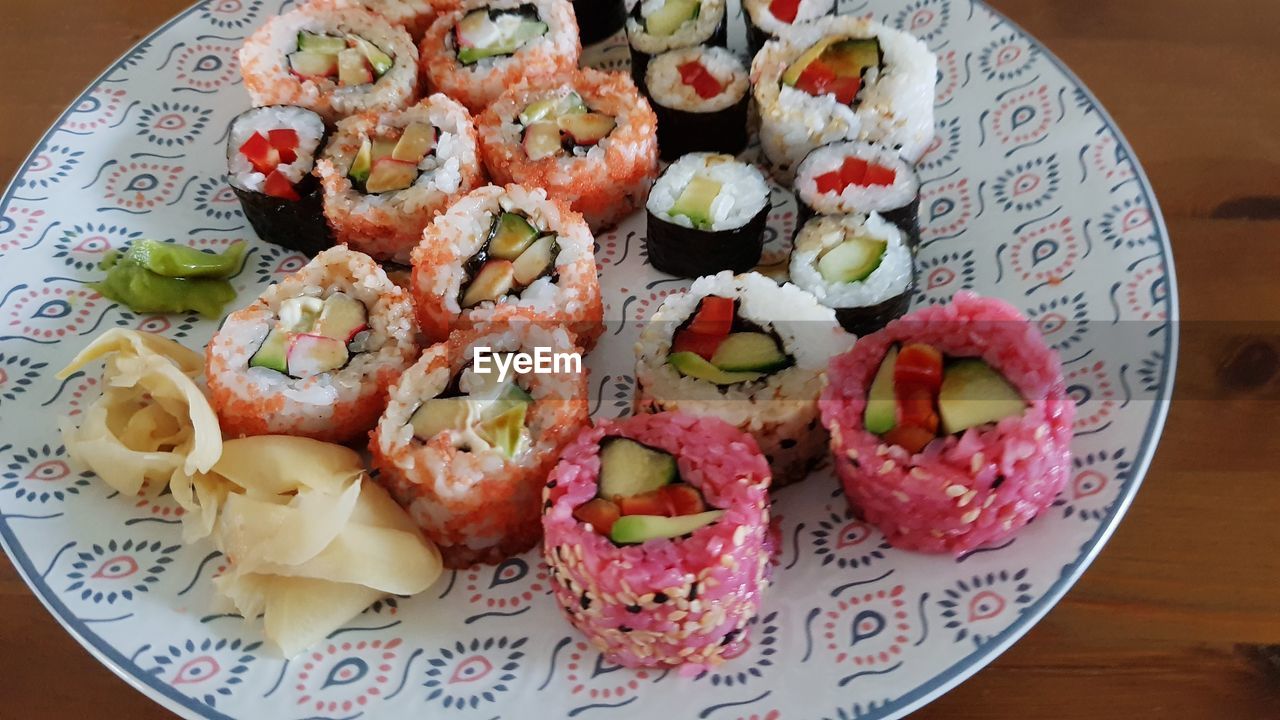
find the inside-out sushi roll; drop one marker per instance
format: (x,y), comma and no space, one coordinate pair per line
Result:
(656,26)
(505,248)
(860,177)
(466,449)
(314,354)
(842,78)
(767,18)
(700,97)
(599,19)
(750,352)
(589,139)
(334,60)
(857,265)
(271,153)
(655,534)
(415,16)
(707,213)
(386,175)
(950,428)
(474,53)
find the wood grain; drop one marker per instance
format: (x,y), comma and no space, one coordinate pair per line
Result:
(1172,619)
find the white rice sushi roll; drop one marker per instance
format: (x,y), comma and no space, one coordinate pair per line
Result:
(314,354)
(860,177)
(656,26)
(767,18)
(335,60)
(842,78)
(750,352)
(387,175)
(857,265)
(700,97)
(707,213)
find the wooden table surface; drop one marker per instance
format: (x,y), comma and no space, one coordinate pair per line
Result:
(1172,619)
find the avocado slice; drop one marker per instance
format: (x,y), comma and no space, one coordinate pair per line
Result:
(629,468)
(542,140)
(692,365)
(311,64)
(415,143)
(536,111)
(534,262)
(667,19)
(299,314)
(342,318)
(695,201)
(511,236)
(749,351)
(495,279)
(851,57)
(363,164)
(791,75)
(632,529)
(509,39)
(439,414)
(378,60)
(352,69)
(272,353)
(325,44)
(503,431)
(882,407)
(852,260)
(973,393)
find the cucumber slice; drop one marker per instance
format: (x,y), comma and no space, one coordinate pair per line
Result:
(851,57)
(536,111)
(571,104)
(628,468)
(692,365)
(973,394)
(310,64)
(325,44)
(273,352)
(631,529)
(749,351)
(695,201)
(363,164)
(512,235)
(439,414)
(378,60)
(504,431)
(852,260)
(882,408)
(667,19)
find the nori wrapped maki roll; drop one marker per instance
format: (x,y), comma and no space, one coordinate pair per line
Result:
(656,26)
(766,19)
(860,177)
(598,19)
(707,213)
(271,152)
(700,95)
(857,265)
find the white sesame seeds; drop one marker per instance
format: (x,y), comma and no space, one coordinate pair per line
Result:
(970,516)
(853,455)
(887,467)
(955,490)
(1042,432)
(990,499)
(976,462)
(901,496)
(966,498)
(739,534)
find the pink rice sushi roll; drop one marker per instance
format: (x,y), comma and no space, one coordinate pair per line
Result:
(651,586)
(466,450)
(980,374)
(475,52)
(314,354)
(387,175)
(332,59)
(589,139)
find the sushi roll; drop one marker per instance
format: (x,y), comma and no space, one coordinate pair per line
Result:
(415,16)
(700,97)
(950,428)
(857,265)
(314,354)
(747,351)
(589,140)
(707,213)
(860,177)
(655,535)
(842,78)
(599,19)
(386,175)
(466,449)
(504,248)
(767,18)
(271,153)
(477,51)
(334,60)
(656,26)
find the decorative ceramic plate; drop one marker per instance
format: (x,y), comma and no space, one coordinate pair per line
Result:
(1030,194)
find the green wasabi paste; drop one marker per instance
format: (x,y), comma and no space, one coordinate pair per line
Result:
(156,277)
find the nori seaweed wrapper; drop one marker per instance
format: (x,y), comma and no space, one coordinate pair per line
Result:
(688,252)
(294,224)
(598,19)
(640,60)
(681,132)
(866,320)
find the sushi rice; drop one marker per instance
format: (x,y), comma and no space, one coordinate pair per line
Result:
(415,16)
(890,279)
(666,88)
(744,190)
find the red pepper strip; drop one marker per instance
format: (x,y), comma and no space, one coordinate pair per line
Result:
(700,79)
(919,365)
(916,408)
(600,513)
(785,10)
(277,185)
(879,175)
(283,138)
(260,153)
(853,171)
(715,317)
(650,503)
(683,499)
(697,343)
(830,182)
